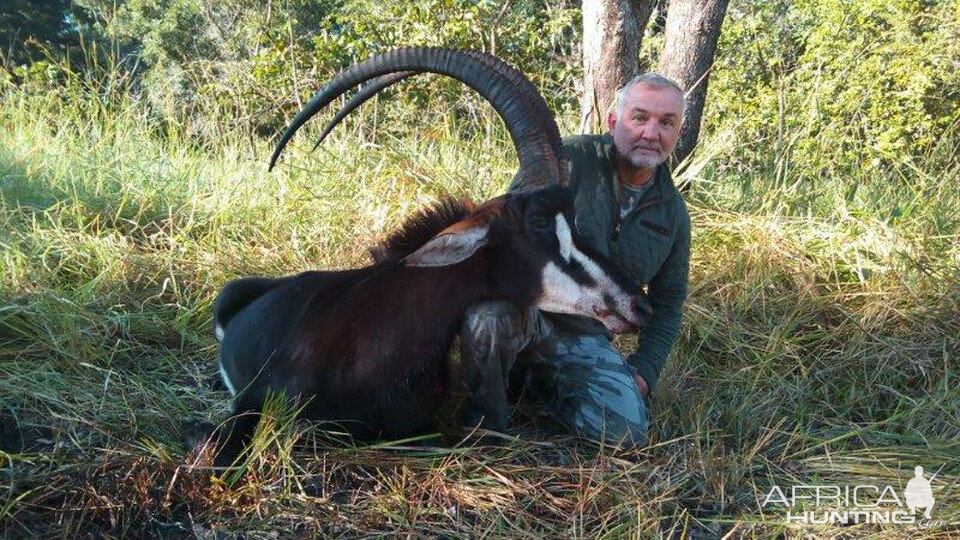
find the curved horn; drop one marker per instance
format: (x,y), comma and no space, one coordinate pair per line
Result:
(366,92)
(538,162)
(531,94)
(539,106)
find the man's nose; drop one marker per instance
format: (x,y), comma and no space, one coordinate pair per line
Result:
(648,131)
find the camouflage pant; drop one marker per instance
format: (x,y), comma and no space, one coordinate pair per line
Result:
(582,379)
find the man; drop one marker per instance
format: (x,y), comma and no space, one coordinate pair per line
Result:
(919,493)
(627,208)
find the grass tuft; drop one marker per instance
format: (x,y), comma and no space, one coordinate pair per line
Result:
(820,343)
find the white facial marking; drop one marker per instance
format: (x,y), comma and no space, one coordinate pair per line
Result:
(218,332)
(604,281)
(565,237)
(569,250)
(226,380)
(561,294)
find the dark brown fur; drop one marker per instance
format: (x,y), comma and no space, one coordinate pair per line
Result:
(367,347)
(419,228)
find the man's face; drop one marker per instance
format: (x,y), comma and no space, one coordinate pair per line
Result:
(649,125)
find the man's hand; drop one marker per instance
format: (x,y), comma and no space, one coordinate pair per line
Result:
(642,385)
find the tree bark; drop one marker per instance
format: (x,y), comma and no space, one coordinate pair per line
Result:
(612,30)
(693,27)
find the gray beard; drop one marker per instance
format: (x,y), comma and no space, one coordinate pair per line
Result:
(644,162)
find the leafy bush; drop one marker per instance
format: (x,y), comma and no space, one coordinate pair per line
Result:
(816,88)
(235,65)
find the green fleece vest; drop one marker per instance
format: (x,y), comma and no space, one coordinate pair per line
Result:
(651,245)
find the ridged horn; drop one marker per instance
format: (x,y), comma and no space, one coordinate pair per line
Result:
(502,68)
(531,133)
(366,92)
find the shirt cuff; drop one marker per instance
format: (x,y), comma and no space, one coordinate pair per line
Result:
(646,370)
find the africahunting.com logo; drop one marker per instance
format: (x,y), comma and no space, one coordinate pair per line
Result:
(844,505)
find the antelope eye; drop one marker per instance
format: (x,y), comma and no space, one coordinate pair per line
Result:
(539,222)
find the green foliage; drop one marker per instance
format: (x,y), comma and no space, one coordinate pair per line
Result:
(831,88)
(814,347)
(809,88)
(236,65)
(820,336)
(27,27)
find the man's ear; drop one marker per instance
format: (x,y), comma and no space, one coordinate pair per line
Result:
(451,246)
(611,121)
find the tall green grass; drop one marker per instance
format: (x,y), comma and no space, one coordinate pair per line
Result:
(820,342)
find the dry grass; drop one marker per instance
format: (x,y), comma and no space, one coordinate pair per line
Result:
(819,347)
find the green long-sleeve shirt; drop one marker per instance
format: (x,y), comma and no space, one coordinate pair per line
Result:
(651,244)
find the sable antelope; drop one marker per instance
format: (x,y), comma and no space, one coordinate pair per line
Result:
(367,347)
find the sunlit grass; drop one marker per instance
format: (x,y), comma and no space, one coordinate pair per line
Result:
(820,343)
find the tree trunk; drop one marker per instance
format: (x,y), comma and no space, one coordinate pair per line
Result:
(693,27)
(612,30)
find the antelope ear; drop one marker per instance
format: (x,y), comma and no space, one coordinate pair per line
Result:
(449,247)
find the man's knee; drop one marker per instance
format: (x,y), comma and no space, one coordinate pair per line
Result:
(622,424)
(495,321)
(492,335)
(600,398)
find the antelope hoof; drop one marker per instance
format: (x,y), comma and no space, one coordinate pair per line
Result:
(196,433)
